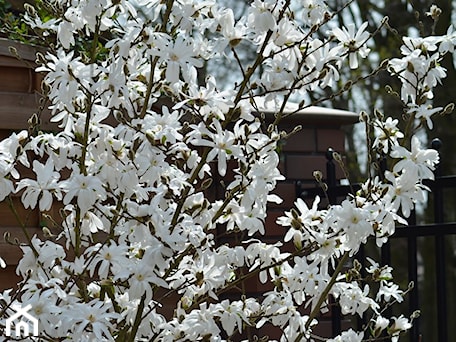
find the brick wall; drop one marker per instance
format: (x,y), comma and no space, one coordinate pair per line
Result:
(300,155)
(305,152)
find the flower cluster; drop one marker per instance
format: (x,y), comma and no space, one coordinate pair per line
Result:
(134,254)
(420,71)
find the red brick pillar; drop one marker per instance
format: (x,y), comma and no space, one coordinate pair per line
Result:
(305,152)
(300,155)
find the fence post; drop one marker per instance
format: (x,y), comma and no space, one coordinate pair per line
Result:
(332,197)
(412,260)
(331,176)
(440,254)
(386,247)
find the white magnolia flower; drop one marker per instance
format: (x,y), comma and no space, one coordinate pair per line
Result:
(233,31)
(140,134)
(163,127)
(95,317)
(231,315)
(424,112)
(261,17)
(417,161)
(389,290)
(356,223)
(387,134)
(448,41)
(6,184)
(222,143)
(353,299)
(403,191)
(400,324)
(307,217)
(434,12)
(379,273)
(87,190)
(314,11)
(44,307)
(348,336)
(43,188)
(353,43)
(177,55)
(107,260)
(381,323)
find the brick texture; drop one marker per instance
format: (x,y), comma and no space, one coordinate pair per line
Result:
(28,217)
(286,191)
(8,277)
(334,138)
(301,166)
(302,141)
(16,79)
(272,228)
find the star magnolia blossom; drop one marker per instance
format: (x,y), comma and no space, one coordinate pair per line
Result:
(135,252)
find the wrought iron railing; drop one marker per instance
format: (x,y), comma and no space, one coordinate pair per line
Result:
(438,230)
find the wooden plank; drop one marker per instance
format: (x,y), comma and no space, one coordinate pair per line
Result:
(30,218)
(8,278)
(17,108)
(10,61)
(10,252)
(15,79)
(26,52)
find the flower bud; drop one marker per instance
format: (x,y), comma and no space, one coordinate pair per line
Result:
(186,302)
(318,175)
(297,240)
(363,117)
(449,108)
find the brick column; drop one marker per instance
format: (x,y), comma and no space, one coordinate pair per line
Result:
(300,155)
(305,152)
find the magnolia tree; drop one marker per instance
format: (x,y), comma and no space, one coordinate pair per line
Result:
(140,138)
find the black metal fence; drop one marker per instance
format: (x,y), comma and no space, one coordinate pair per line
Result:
(439,230)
